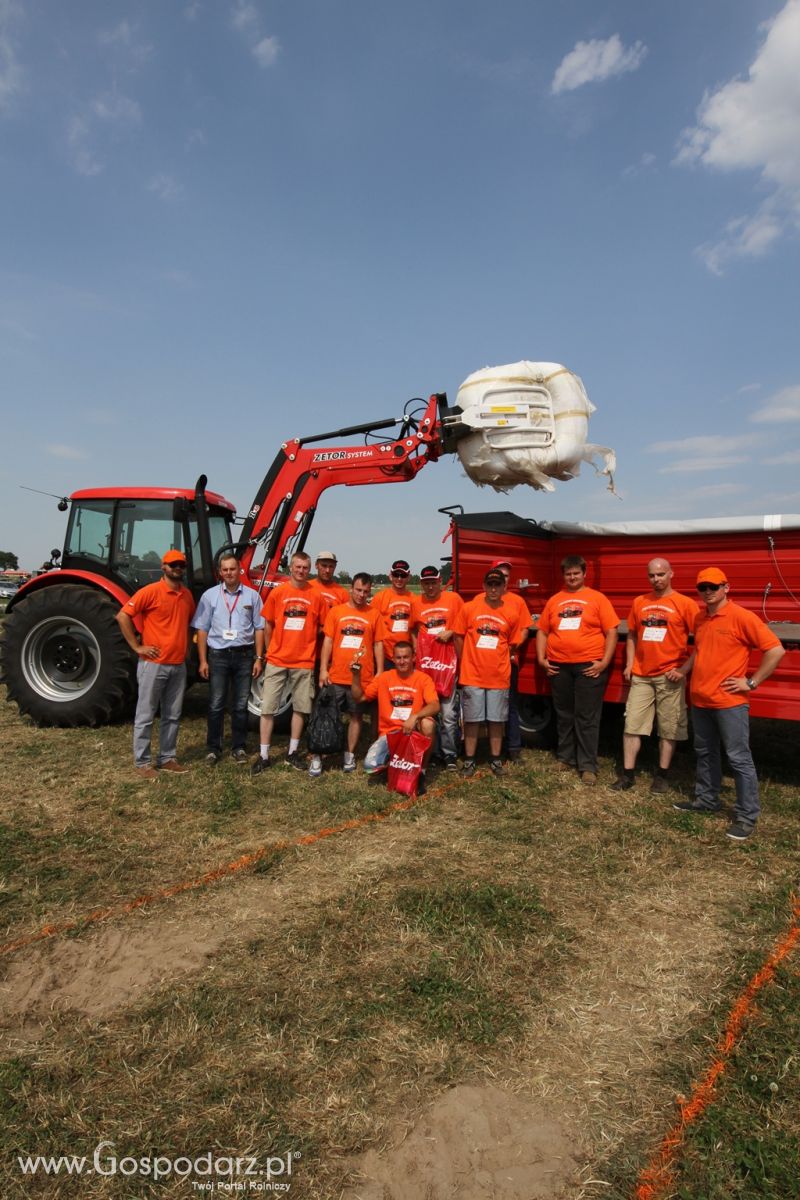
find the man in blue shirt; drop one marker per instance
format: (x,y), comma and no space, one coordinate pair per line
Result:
(230,647)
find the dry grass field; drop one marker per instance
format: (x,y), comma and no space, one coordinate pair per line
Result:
(500,991)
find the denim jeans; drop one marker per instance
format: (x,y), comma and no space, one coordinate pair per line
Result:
(578,701)
(229,671)
(728,727)
(161,686)
(447,725)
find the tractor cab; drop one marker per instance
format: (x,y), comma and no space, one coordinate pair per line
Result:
(123,534)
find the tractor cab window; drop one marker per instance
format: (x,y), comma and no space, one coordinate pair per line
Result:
(145,530)
(219,533)
(89,531)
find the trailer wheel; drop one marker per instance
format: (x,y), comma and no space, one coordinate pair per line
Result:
(537,721)
(65,661)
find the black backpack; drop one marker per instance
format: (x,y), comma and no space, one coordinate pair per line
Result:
(325,733)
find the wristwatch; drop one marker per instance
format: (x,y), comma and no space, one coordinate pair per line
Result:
(751,683)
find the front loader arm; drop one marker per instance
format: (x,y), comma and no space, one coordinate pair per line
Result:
(281,514)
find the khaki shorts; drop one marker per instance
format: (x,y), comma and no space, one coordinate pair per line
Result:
(297,680)
(652,696)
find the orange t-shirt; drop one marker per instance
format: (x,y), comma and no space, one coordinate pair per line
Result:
(723,643)
(295,615)
(488,635)
(396,613)
(435,615)
(163,619)
(352,629)
(398,699)
(662,625)
(332,593)
(576,624)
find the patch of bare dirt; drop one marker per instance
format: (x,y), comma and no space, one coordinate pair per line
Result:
(473,1143)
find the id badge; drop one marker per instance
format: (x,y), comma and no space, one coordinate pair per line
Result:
(400,625)
(654,633)
(352,641)
(229,635)
(569,623)
(401,712)
(487,641)
(294,623)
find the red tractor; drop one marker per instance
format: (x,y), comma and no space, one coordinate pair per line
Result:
(64,660)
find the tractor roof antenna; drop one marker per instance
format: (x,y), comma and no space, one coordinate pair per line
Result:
(63,502)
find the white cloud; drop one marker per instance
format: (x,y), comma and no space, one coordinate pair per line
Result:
(115,109)
(165,187)
(62,451)
(783,406)
(711,445)
(247,20)
(111,114)
(703,464)
(195,137)
(83,159)
(790,458)
(710,490)
(646,161)
(123,39)
(266,51)
(752,124)
(10,70)
(595,61)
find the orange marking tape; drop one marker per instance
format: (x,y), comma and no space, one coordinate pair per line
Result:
(213,876)
(658,1175)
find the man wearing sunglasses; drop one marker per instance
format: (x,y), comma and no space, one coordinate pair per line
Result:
(163,611)
(395,604)
(725,634)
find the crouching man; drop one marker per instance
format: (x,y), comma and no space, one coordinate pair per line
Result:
(407,701)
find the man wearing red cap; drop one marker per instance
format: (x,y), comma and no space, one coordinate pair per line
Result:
(724,636)
(162,612)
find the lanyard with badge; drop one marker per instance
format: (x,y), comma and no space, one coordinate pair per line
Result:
(230,635)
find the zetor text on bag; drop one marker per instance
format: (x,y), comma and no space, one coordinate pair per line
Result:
(439,660)
(406,752)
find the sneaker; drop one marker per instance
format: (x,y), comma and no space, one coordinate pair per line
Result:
(259,764)
(174,766)
(315,766)
(468,768)
(349,762)
(563,766)
(450,764)
(622,783)
(589,778)
(496,767)
(212,758)
(422,787)
(296,760)
(696,806)
(147,772)
(239,756)
(739,832)
(660,785)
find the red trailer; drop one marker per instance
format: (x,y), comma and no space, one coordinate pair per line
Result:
(760,556)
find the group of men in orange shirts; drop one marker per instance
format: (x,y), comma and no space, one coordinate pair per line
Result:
(365,647)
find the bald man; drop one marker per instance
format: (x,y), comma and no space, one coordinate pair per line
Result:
(659,625)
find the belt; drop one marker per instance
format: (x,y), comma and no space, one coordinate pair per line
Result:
(249,646)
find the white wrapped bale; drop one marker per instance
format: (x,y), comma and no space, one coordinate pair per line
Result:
(531,423)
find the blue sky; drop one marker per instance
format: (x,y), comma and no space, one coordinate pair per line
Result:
(227,222)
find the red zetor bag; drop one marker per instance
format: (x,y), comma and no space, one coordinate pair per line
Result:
(406,752)
(439,660)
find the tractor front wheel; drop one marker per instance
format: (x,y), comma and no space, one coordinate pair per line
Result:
(65,661)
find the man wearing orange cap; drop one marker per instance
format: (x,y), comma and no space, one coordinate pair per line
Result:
(162,611)
(724,636)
